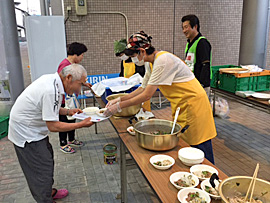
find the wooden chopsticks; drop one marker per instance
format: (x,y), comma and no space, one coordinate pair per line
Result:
(252,184)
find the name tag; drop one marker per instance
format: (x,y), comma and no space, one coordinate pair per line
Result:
(190,61)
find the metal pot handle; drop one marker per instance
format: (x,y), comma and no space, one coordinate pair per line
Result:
(130,120)
(183,130)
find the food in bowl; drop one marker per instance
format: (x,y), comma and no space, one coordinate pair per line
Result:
(163,163)
(241,199)
(185,181)
(90,110)
(182,180)
(100,112)
(131,130)
(203,171)
(194,197)
(203,174)
(207,187)
(211,190)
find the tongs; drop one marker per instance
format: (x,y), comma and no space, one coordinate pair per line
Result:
(212,180)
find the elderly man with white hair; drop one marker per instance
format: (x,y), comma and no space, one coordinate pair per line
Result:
(35,113)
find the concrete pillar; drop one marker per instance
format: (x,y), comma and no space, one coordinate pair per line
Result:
(57,7)
(254,32)
(12,49)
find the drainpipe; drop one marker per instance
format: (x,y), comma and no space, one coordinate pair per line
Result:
(116,13)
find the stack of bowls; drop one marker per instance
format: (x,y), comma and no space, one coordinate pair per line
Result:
(191,156)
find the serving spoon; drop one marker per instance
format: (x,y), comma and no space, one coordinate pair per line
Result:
(175,118)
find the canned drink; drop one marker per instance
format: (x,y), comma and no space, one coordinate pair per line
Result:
(110,153)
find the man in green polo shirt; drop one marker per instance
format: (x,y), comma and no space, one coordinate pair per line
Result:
(198,51)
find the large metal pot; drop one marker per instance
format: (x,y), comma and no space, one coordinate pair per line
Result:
(126,112)
(238,185)
(160,142)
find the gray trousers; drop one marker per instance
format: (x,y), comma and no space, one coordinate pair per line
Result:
(36,160)
(207,90)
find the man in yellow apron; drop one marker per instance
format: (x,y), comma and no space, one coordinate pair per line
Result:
(128,67)
(179,85)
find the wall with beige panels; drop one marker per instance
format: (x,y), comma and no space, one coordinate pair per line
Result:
(220,23)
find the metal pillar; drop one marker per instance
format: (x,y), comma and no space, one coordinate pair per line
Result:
(12,49)
(254,32)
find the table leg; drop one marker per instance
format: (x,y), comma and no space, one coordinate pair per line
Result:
(123,172)
(214,103)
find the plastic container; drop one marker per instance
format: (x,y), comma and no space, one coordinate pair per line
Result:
(3,126)
(215,74)
(256,81)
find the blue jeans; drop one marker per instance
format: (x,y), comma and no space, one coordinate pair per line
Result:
(206,147)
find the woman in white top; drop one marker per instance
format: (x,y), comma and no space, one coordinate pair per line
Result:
(178,84)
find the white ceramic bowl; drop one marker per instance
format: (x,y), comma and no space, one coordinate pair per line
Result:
(177,175)
(182,194)
(191,156)
(207,183)
(100,112)
(161,157)
(131,131)
(202,167)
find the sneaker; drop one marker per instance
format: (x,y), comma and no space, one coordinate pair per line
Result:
(67,149)
(76,143)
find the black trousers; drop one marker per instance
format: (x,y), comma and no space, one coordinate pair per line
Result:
(36,160)
(63,135)
(207,148)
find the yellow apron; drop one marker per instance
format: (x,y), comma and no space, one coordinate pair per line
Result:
(195,109)
(129,69)
(147,104)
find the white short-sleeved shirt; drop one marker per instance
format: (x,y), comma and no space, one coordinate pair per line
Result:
(38,103)
(167,69)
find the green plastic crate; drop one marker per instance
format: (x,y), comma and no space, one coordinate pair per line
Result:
(230,83)
(3,126)
(215,74)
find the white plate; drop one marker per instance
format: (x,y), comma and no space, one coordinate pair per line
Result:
(161,157)
(207,183)
(261,95)
(182,194)
(176,176)
(101,114)
(202,167)
(131,131)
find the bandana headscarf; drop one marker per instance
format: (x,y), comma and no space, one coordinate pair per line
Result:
(139,40)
